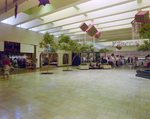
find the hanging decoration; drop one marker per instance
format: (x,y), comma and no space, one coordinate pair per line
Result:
(137,45)
(97,35)
(91,31)
(16,8)
(140,21)
(83,26)
(5,5)
(15,1)
(142,16)
(119,47)
(135,27)
(43,2)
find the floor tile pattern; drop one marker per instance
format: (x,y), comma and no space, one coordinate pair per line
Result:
(76,94)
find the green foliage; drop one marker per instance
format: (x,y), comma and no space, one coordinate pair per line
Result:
(144,32)
(86,48)
(105,64)
(48,42)
(64,46)
(97,55)
(83,64)
(145,46)
(105,50)
(75,46)
(64,38)
(67,44)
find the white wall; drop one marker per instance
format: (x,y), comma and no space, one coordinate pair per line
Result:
(60,57)
(20,35)
(24,48)
(1,45)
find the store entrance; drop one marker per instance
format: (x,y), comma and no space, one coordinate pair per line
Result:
(18,61)
(48,58)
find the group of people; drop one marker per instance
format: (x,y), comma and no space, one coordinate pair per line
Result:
(11,64)
(98,64)
(116,60)
(18,63)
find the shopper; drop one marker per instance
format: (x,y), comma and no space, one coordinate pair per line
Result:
(91,64)
(7,66)
(98,64)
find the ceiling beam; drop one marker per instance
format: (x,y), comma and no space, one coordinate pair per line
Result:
(123,8)
(55,6)
(22,7)
(11,6)
(124,16)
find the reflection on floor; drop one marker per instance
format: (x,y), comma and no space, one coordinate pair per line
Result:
(77,94)
(25,70)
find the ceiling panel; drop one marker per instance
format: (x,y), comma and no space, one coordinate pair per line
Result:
(111,17)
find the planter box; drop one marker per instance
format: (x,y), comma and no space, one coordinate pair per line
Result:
(83,66)
(107,66)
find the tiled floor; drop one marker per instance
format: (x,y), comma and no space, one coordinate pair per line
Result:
(77,94)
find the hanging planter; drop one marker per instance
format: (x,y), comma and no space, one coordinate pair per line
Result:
(119,47)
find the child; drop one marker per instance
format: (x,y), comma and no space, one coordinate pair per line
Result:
(6,71)
(6,65)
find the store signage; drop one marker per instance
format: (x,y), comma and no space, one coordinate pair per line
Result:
(47,49)
(125,43)
(11,47)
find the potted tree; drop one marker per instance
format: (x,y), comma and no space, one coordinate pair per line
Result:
(77,49)
(64,45)
(51,46)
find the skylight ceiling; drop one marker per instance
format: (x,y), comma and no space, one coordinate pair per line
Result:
(107,16)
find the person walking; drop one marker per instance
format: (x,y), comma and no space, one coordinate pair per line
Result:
(7,66)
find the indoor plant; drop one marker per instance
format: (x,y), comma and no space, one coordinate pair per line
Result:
(48,43)
(106,66)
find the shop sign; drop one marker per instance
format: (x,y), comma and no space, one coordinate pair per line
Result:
(47,49)
(125,43)
(11,47)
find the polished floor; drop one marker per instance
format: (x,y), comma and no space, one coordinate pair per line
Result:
(76,94)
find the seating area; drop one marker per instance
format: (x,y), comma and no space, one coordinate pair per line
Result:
(87,66)
(95,67)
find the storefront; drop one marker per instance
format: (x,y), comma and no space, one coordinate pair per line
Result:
(48,58)
(20,55)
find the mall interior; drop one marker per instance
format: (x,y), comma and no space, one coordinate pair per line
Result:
(109,81)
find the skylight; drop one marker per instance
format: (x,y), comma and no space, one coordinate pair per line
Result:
(18,25)
(5,21)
